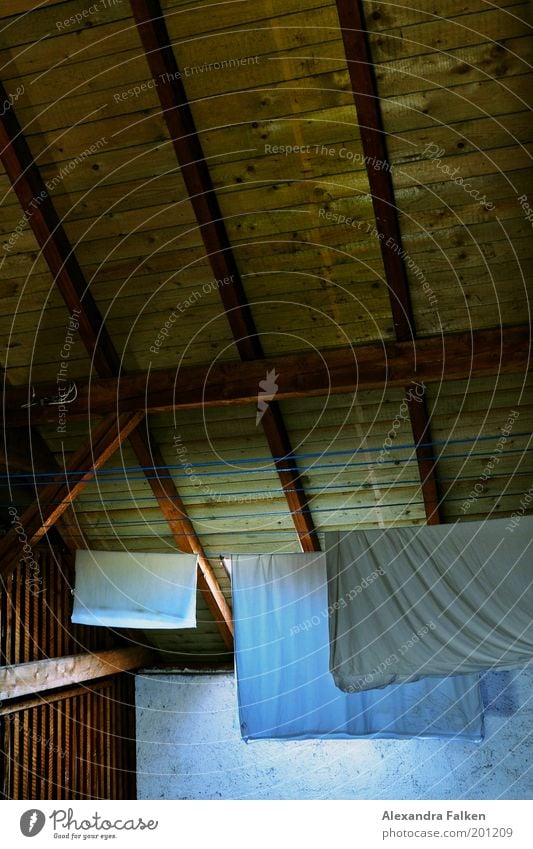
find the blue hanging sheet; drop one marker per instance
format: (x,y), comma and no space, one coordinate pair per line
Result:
(285,689)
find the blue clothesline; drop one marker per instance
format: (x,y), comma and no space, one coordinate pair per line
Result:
(122,471)
(269,513)
(276,491)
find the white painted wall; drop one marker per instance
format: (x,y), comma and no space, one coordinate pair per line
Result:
(189,747)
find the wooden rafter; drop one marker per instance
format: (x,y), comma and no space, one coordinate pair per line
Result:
(367,104)
(40,459)
(455,356)
(68,276)
(364,89)
(180,122)
(35,201)
(182,528)
(425,455)
(57,497)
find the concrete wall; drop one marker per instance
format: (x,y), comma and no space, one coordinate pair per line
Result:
(189,747)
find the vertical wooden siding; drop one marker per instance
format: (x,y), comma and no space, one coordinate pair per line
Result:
(36,625)
(81,746)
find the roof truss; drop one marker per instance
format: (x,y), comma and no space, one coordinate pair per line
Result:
(448,357)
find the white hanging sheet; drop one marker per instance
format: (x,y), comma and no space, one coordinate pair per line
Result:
(135,590)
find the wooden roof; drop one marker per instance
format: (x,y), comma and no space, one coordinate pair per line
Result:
(341,189)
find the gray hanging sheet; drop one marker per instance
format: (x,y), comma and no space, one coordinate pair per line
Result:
(411,602)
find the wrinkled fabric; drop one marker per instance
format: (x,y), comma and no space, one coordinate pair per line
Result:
(285,690)
(432,601)
(135,590)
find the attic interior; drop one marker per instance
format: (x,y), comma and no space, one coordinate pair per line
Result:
(266,275)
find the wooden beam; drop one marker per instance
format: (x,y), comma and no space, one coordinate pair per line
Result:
(50,698)
(57,251)
(455,356)
(186,667)
(26,679)
(173,509)
(56,498)
(180,122)
(373,138)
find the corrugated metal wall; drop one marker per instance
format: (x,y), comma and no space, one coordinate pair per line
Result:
(71,745)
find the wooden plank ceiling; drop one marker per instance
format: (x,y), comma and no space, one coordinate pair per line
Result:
(331,184)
